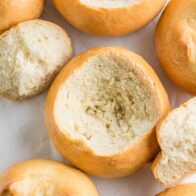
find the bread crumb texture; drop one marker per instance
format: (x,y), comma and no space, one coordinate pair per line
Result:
(30,55)
(107,104)
(178,144)
(108,3)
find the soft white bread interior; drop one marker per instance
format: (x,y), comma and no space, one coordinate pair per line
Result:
(177,138)
(180,190)
(45,178)
(13,12)
(109,3)
(102,107)
(31,54)
(106,106)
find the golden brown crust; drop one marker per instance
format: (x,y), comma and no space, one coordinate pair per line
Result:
(109,22)
(44,177)
(181,190)
(176,43)
(13,12)
(78,152)
(46,82)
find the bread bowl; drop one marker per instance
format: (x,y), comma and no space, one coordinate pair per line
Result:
(176,43)
(180,190)
(44,177)
(177,138)
(109,17)
(102,110)
(31,55)
(13,12)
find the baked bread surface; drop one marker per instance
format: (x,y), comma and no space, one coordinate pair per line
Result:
(102,110)
(176,43)
(44,177)
(109,18)
(13,12)
(180,190)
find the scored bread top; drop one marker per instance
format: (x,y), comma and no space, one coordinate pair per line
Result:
(177,139)
(31,55)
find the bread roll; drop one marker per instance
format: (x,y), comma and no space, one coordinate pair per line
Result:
(102,109)
(44,177)
(31,54)
(177,136)
(13,12)
(176,43)
(109,17)
(181,190)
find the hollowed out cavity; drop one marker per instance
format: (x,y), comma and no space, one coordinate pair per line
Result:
(107,105)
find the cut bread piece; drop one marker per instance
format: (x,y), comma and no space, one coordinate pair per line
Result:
(180,190)
(102,110)
(45,178)
(109,17)
(13,12)
(177,138)
(31,54)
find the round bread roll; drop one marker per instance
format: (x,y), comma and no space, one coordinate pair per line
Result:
(102,109)
(181,190)
(109,17)
(176,43)
(176,136)
(44,177)
(13,12)
(31,54)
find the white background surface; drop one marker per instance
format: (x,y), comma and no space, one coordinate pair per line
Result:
(23,134)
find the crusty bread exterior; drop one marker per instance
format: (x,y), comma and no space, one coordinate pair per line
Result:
(32,53)
(176,43)
(181,190)
(44,177)
(77,151)
(106,20)
(176,136)
(13,12)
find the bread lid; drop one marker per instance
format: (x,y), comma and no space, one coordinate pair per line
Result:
(32,53)
(176,136)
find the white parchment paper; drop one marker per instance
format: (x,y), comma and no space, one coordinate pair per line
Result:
(23,134)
